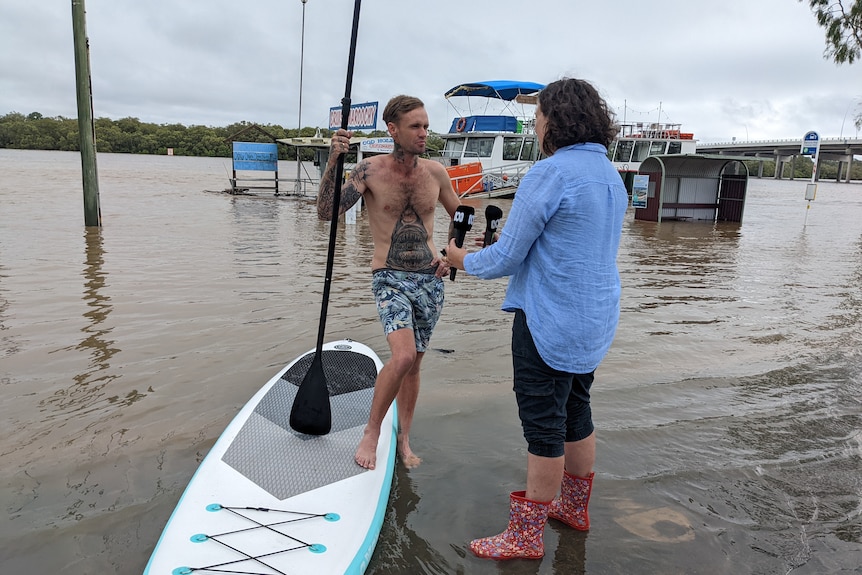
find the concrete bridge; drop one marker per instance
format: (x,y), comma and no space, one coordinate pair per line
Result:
(781,152)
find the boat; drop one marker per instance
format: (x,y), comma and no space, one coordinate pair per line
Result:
(635,142)
(486,155)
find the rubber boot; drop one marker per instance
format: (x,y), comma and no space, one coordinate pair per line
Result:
(570,506)
(523,538)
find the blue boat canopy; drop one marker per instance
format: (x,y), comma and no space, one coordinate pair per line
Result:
(502,89)
(485,124)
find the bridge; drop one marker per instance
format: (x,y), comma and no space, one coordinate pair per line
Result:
(841,150)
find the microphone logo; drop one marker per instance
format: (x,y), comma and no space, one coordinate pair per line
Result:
(459,219)
(493,214)
(462,221)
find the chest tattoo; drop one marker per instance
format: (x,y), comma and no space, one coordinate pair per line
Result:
(409,248)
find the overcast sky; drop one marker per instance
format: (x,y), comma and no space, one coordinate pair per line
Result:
(749,69)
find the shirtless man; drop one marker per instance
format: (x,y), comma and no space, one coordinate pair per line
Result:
(401,192)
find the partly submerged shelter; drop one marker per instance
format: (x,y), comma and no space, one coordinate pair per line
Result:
(691,187)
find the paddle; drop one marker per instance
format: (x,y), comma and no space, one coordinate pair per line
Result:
(311,413)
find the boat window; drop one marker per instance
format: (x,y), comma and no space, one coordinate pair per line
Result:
(657,148)
(529,151)
(624,151)
(611,148)
(641,151)
(479,147)
(453,148)
(512,148)
(674,148)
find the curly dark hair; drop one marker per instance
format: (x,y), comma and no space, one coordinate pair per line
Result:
(575,114)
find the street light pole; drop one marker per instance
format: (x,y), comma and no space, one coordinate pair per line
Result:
(299,116)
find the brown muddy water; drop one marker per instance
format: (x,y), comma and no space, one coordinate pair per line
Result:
(728,411)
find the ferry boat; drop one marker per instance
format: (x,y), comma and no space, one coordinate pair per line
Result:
(637,141)
(487,154)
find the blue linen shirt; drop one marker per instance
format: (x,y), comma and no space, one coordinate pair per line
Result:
(559,245)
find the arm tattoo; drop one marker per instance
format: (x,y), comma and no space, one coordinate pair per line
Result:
(349,194)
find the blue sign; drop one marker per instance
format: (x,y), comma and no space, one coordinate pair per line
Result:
(810,143)
(253,156)
(362,117)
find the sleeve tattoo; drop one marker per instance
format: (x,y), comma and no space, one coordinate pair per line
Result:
(349,194)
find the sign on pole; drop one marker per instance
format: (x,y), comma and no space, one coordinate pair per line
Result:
(810,143)
(362,117)
(811,147)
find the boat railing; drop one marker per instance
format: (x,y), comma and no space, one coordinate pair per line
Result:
(492,179)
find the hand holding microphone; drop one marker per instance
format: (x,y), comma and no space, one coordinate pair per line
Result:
(493,215)
(462,221)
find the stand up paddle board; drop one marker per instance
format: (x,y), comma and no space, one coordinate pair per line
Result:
(269,500)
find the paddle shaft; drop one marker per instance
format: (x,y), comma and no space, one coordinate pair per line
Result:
(339,174)
(311,412)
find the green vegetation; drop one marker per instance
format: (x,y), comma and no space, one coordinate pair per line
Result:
(842,21)
(802,169)
(131,136)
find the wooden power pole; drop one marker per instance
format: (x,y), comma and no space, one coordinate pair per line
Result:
(86,127)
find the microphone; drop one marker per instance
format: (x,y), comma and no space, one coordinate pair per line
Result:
(462,222)
(492,222)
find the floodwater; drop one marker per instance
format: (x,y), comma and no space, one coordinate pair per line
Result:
(728,410)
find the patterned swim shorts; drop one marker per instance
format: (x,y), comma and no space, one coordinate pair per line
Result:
(408,299)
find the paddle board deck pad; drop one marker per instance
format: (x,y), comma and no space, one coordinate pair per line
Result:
(269,500)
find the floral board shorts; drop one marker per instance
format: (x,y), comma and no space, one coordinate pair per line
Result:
(408,299)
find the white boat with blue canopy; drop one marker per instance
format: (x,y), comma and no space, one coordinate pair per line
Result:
(488,153)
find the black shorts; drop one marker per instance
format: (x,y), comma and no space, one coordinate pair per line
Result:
(554,406)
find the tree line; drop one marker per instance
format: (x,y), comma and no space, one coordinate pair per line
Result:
(132,136)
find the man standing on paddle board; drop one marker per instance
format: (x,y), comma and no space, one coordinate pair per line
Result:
(559,246)
(401,192)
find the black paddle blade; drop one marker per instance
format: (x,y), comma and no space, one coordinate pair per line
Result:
(311,413)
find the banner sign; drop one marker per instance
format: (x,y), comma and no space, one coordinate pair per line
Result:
(377,145)
(810,143)
(362,117)
(255,157)
(639,191)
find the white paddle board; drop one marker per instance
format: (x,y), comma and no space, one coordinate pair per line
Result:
(269,500)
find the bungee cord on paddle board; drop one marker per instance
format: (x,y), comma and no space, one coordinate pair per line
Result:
(245,557)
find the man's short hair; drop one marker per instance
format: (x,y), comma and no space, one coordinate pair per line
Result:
(400,105)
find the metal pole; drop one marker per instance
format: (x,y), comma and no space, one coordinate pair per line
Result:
(299,116)
(86,127)
(813,182)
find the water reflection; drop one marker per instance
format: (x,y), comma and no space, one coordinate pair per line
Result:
(255,241)
(9,347)
(680,253)
(397,535)
(88,387)
(570,556)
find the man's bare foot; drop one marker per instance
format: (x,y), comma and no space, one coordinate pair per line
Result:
(409,458)
(366,453)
